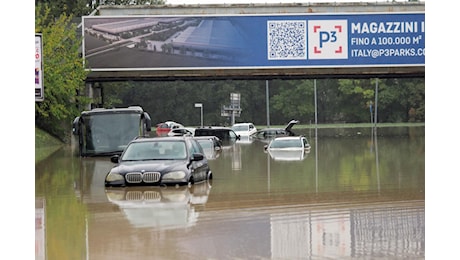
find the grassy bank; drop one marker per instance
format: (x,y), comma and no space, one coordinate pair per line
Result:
(45,144)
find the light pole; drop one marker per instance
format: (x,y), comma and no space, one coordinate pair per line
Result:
(200,105)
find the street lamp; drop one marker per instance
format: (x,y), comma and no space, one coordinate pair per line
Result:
(200,105)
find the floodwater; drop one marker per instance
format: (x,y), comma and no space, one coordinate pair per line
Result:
(355,195)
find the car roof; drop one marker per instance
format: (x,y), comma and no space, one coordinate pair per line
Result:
(214,127)
(163,138)
(243,124)
(287,137)
(170,123)
(206,137)
(191,129)
(266,129)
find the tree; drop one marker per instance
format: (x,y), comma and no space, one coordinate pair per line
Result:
(328,106)
(74,8)
(133,2)
(355,97)
(296,100)
(64,74)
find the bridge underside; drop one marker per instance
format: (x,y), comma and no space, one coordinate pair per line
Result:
(257,74)
(268,8)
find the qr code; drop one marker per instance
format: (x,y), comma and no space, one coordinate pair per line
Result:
(287,40)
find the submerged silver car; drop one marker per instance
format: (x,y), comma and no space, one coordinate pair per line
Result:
(212,146)
(288,148)
(244,129)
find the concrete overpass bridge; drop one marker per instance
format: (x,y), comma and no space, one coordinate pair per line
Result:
(242,41)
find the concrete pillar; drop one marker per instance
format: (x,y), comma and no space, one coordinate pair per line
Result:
(95,92)
(89,93)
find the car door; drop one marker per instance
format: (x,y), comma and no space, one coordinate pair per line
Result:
(252,129)
(199,168)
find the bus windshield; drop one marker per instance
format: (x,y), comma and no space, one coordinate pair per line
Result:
(109,133)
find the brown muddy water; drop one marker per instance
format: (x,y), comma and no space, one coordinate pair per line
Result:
(355,195)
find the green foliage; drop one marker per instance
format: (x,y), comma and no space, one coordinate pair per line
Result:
(134,2)
(296,100)
(338,100)
(64,74)
(45,144)
(355,96)
(415,98)
(75,8)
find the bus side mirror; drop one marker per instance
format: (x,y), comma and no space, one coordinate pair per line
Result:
(148,122)
(75,126)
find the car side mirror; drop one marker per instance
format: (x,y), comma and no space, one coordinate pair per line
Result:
(197,157)
(115,158)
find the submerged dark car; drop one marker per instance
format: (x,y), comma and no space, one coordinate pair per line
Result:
(212,146)
(159,161)
(225,134)
(270,133)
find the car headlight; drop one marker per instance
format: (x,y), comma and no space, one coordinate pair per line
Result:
(177,175)
(114,177)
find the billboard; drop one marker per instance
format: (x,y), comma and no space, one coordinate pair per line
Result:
(39,95)
(130,43)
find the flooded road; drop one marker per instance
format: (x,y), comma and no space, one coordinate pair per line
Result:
(352,196)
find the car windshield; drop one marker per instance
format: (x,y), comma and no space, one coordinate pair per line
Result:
(240,128)
(283,143)
(155,150)
(206,144)
(105,133)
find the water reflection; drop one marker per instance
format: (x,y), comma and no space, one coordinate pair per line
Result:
(354,195)
(245,140)
(295,155)
(160,207)
(355,231)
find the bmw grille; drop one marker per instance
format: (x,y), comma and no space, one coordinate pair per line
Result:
(143,196)
(147,177)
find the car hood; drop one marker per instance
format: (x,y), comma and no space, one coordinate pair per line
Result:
(288,154)
(150,165)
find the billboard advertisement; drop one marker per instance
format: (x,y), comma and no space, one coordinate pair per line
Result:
(254,41)
(38,68)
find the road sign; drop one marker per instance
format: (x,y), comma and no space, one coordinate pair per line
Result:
(39,94)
